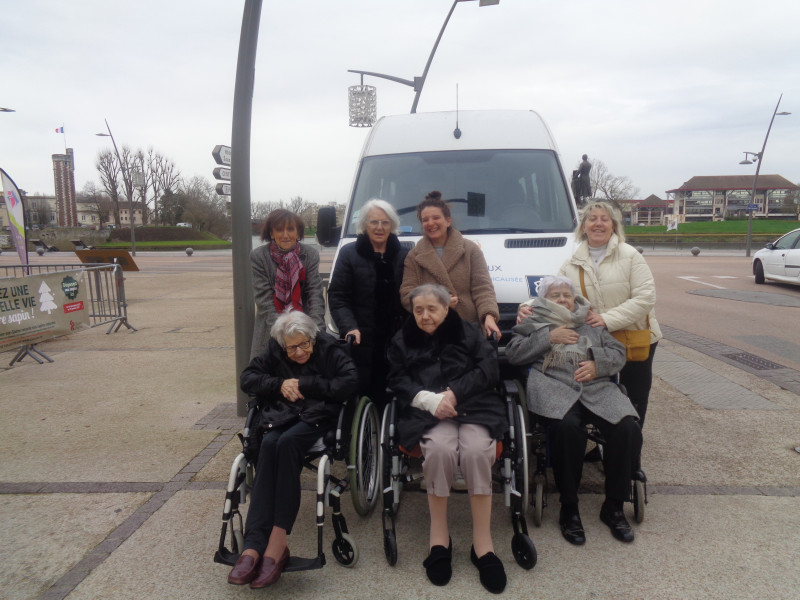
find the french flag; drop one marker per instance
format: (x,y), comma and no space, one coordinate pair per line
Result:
(59,130)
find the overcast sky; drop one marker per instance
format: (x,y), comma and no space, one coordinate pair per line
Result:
(659,91)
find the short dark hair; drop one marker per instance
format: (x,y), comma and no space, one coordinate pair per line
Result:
(433,199)
(280,217)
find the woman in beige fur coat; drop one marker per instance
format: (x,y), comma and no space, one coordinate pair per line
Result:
(443,256)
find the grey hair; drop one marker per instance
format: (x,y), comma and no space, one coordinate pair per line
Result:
(383,205)
(612,212)
(431,289)
(551,281)
(292,323)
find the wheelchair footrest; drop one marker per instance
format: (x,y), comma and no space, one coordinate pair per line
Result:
(296,563)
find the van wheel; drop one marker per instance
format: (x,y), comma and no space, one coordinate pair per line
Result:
(758,271)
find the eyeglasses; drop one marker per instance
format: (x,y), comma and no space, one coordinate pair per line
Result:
(557,295)
(375,224)
(304,346)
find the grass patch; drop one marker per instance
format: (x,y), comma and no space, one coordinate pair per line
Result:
(735,227)
(213,244)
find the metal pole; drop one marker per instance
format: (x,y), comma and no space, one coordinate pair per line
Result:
(242,239)
(420,81)
(128,187)
(755,179)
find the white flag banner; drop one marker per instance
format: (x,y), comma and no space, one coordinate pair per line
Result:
(16,216)
(672,224)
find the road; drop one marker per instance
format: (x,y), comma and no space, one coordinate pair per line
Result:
(716,297)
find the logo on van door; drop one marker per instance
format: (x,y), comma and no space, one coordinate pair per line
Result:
(533,284)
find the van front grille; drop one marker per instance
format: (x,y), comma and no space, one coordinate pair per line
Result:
(555,242)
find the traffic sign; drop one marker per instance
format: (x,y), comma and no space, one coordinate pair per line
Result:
(752,207)
(223,173)
(222,154)
(224,189)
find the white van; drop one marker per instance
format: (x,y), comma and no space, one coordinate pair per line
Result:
(499,171)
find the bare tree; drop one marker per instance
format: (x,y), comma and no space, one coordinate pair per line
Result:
(109,169)
(303,208)
(202,207)
(98,201)
(162,176)
(611,187)
(260,210)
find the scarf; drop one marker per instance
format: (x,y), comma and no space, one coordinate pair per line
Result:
(289,274)
(551,315)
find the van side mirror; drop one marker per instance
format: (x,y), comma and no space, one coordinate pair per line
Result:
(328,233)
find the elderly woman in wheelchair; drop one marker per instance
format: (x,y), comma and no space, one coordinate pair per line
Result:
(444,373)
(570,385)
(300,381)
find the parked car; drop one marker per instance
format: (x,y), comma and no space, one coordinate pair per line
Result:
(779,260)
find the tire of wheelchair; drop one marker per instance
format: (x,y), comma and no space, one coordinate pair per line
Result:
(364,456)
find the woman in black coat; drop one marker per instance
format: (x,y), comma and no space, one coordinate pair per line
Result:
(300,383)
(444,373)
(364,297)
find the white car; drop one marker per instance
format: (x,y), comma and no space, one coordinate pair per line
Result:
(779,260)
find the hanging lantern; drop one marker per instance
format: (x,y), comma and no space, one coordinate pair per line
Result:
(363,100)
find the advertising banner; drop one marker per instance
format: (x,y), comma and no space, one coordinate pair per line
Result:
(41,307)
(16,216)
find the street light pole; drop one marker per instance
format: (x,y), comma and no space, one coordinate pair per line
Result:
(126,179)
(419,82)
(758,158)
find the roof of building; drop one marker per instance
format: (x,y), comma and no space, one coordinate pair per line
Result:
(734,182)
(653,201)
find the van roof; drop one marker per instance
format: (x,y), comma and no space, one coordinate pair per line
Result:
(480,130)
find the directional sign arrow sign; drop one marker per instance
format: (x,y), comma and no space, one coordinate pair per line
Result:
(223,173)
(222,154)
(224,189)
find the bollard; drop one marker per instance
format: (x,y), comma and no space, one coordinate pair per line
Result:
(695,251)
(189,251)
(40,251)
(640,249)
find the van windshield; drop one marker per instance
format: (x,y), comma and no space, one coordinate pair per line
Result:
(489,191)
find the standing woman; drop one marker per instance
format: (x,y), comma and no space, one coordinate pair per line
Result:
(285,276)
(444,257)
(364,294)
(620,288)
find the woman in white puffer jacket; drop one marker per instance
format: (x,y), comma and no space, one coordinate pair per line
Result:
(620,288)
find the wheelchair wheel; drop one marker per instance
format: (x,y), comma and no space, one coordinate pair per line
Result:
(522,472)
(345,550)
(524,551)
(385,462)
(364,466)
(538,503)
(638,501)
(390,547)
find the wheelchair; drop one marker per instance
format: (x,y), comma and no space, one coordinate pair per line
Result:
(539,450)
(354,440)
(400,467)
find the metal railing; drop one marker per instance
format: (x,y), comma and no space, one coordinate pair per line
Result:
(106,290)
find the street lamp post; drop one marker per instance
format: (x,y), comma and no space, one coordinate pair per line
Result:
(758,157)
(419,82)
(126,178)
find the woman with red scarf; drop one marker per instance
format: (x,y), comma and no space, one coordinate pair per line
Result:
(285,276)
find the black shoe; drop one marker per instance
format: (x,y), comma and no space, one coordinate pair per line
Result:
(617,523)
(491,571)
(438,565)
(571,526)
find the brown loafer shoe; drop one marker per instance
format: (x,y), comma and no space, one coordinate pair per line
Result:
(244,571)
(270,571)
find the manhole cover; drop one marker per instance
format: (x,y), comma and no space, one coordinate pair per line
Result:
(753,361)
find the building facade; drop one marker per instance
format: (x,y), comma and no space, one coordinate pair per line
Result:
(717,197)
(64,179)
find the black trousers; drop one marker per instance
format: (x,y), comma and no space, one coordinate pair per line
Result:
(275,498)
(623,444)
(637,377)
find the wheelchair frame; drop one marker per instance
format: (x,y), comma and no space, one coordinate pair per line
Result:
(363,474)
(512,465)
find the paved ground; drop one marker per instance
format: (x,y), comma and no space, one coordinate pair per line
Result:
(114,459)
